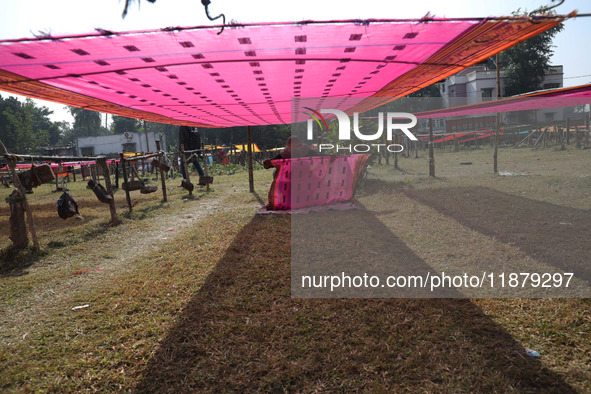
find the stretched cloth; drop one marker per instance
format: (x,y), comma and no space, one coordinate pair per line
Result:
(310,181)
(249,74)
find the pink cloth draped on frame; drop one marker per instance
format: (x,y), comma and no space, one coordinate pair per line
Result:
(249,74)
(310,181)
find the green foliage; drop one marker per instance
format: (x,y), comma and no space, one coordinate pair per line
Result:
(87,123)
(169,131)
(525,64)
(121,125)
(25,127)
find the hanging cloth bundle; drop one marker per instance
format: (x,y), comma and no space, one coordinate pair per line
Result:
(67,206)
(36,176)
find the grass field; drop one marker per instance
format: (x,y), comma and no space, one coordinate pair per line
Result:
(194,294)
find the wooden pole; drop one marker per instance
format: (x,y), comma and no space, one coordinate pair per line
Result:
(562,147)
(541,137)
(406,147)
(496,148)
(396,152)
(568,131)
(431,156)
(143,167)
(93,172)
(59,168)
(250,172)
(587,135)
(162,176)
(124,168)
(21,192)
(185,166)
(147,140)
(205,169)
(498,119)
(107,176)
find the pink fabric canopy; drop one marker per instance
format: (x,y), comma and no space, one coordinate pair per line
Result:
(249,74)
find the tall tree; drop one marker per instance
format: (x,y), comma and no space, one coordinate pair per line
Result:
(525,64)
(121,125)
(25,126)
(86,123)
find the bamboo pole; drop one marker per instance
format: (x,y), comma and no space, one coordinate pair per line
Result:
(124,168)
(55,158)
(205,173)
(396,152)
(498,118)
(143,167)
(496,148)
(147,139)
(562,136)
(431,156)
(541,137)
(162,175)
(250,170)
(59,169)
(107,176)
(587,134)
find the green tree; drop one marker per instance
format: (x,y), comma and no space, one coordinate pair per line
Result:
(86,123)
(525,64)
(24,126)
(15,126)
(169,131)
(67,133)
(121,125)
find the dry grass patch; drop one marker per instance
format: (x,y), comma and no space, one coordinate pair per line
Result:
(207,306)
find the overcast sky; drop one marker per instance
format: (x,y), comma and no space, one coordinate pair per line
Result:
(24,18)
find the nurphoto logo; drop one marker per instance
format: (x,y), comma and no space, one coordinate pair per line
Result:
(393,122)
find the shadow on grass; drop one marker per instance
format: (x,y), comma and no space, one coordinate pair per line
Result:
(555,235)
(145,211)
(259,199)
(193,197)
(243,332)
(15,261)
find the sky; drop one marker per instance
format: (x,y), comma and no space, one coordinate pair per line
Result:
(26,18)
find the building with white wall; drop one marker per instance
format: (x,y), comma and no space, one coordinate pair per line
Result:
(478,84)
(119,143)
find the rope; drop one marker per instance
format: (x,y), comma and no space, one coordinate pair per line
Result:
(206,3)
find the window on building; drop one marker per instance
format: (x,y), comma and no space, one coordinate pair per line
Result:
(549,115)
(129,147)
(87,151)
(487,94)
